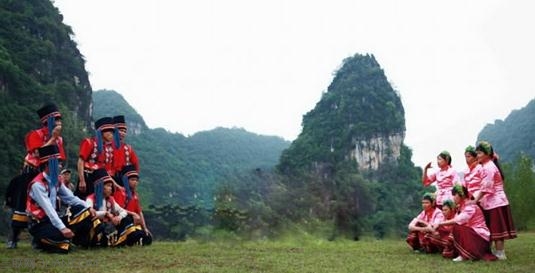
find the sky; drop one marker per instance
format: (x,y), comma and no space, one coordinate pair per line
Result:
(191,66)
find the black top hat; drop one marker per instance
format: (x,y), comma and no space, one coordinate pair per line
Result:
(130,171)
(103,124)
(101,175)
(119,122)
(49,110)
(47,152)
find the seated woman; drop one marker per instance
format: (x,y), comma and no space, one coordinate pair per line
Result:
(442,238)
(421,225)
(470,233)
(128,199)
(117,227)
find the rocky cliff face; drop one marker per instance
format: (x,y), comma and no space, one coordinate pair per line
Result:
(135,128)
(371,152)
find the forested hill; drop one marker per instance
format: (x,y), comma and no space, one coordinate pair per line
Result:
(109,101)
(349,163)
(359,106)
(187,170)
(514,135)
(39,62)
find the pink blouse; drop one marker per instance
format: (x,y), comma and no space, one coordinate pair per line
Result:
(472,180)
(471,216)
(492,187)
(436,217)
(445,179)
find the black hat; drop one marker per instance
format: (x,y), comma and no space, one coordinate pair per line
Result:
(47,152)
(49,110)
(119,122)
(130,171)
(101,175)
(100,178)
(105,123)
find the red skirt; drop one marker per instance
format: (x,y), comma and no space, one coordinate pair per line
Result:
(500,223)
(470,245)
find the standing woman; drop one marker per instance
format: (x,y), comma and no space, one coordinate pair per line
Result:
(446,177)
(472,175)
(493,200)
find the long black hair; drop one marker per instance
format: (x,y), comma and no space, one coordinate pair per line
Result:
(486,148)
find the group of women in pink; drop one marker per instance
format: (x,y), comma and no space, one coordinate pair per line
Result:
(465,215)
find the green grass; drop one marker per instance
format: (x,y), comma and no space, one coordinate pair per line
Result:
(289,255)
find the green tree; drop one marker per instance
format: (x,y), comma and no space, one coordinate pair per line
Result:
(520,190)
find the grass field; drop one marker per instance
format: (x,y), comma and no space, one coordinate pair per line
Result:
(289,255)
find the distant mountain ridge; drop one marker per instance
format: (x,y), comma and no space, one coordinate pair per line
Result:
(513,135)
(185,170)
(113,103)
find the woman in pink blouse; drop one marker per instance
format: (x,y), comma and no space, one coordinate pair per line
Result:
(420,226)
(470,233)
(493,200)
(446,177)
(442,238)
(472,174)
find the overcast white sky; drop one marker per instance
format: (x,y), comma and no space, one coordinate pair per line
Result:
(190,66)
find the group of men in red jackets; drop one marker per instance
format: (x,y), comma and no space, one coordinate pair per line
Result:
(103,210)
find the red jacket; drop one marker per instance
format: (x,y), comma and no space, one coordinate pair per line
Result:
(94,160)
(124,156)
(36,139)
(31,206)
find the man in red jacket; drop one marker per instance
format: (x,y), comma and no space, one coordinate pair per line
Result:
(95,152)
(48,134)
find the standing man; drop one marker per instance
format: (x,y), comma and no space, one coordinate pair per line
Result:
(48,134)
(66,179)
(124,154)
(95,152)
(49,231)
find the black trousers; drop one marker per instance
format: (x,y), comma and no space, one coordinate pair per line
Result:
(128,233)
(49,238)
(16,194)
(19,221)
(89,188)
